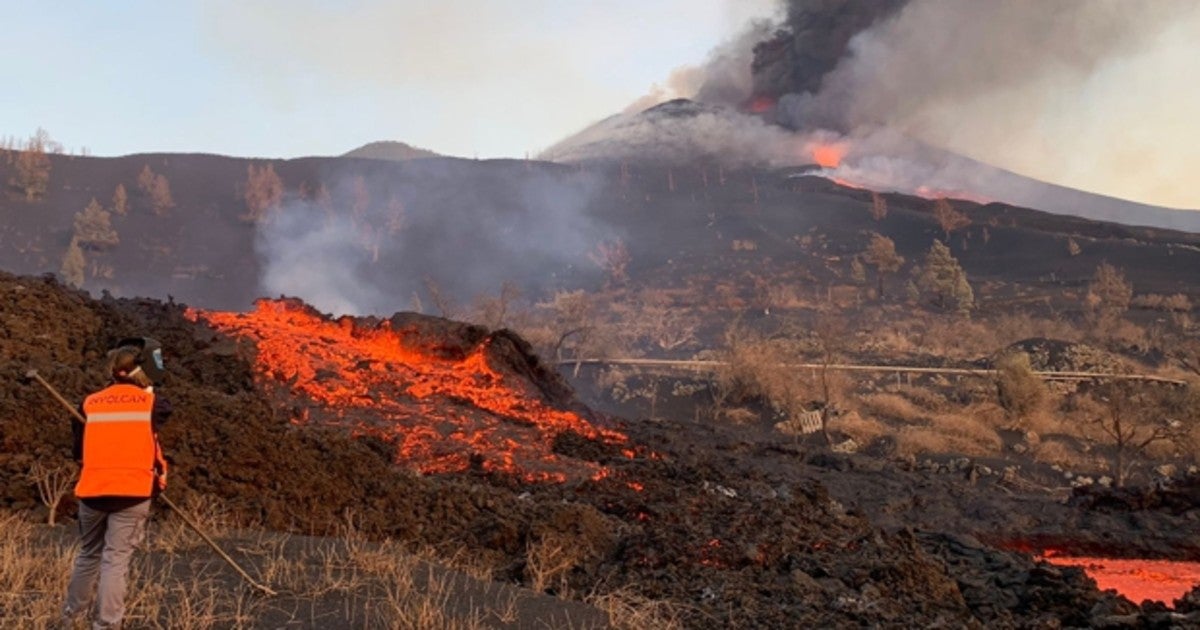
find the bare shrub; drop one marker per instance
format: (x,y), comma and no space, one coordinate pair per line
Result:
(879,206)
(881,254)
(944,282)
(948,218)
(53,483)
(1129,417)
(493,312)
(549,560)
(1018,390)
(1108,294)
(263,191)
(93,228)
(157,189)
(1121,332)
(74,265)
(32,163)
(120,200)
(666,327)
(751,367)
(613,258)
(441,301)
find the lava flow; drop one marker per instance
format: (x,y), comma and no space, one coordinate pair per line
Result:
(443,413)
(1136,579)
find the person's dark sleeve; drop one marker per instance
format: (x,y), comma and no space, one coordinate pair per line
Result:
(160,413)
(77,437)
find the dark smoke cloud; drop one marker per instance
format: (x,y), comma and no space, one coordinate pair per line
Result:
(1063,91)
(1094,95)
(936,51)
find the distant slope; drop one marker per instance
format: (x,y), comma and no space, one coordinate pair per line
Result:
(683,132)
(356,235)
(390,150)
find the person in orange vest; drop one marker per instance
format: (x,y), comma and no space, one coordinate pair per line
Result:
(123,468)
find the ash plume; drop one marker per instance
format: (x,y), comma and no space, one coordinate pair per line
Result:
(1093,95)
(1086,94)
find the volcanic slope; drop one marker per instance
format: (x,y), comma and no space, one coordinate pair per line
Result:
(727,543)
(373,236)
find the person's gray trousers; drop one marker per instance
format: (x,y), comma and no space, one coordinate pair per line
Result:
(106,543)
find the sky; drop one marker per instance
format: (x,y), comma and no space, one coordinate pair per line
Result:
(283,79)
(1102,100)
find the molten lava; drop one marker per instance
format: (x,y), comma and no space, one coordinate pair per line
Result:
(829,155)
(1137,580)
(443,415)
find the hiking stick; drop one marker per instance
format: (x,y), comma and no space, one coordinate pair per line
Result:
(196,528)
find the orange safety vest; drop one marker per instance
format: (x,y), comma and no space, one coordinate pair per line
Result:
(121,455)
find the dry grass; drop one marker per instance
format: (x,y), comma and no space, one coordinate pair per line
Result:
(1043,422)
(33,573)
(737,415)
(892,407)
(629,610)
(1061,453)
(1010,328)
(969,427)
(173,535)
(900,334)
(929,440)
(970,432)
(862,430)
(348,580)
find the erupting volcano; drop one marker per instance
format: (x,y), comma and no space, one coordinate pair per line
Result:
(448,402)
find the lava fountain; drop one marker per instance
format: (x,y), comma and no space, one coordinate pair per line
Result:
(449,397)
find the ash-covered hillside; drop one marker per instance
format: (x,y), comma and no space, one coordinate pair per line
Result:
(371,236)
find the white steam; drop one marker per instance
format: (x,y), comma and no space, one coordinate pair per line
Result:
(468,227)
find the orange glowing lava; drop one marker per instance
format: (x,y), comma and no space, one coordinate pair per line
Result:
(829,155)
(443,415)
(1137,580)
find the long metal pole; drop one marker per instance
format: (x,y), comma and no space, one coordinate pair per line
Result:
(171,504)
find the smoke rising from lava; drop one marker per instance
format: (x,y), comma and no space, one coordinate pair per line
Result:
(468,227)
